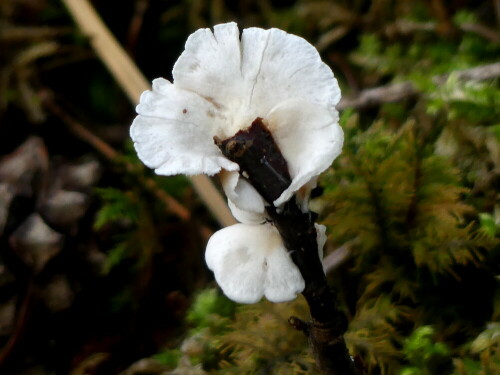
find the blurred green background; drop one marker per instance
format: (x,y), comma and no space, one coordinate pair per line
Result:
(97,276)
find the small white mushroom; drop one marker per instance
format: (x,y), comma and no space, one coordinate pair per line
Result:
(250,261)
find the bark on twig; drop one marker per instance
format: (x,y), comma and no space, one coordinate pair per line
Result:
(262,163)
(400,91)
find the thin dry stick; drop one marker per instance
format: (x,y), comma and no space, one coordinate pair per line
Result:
(406,27)
(134,83)
(399,91)
(110,153)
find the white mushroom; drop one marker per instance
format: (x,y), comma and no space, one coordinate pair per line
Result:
(222,83)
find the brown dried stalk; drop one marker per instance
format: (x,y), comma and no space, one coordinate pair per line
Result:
(133,83)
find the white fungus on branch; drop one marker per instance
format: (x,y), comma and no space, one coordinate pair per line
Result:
(221,84)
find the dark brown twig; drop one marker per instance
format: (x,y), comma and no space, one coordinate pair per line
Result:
(445,22)
(262,163)
(141,6)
